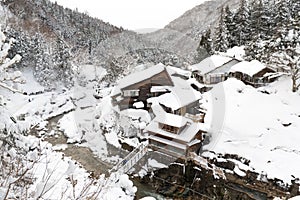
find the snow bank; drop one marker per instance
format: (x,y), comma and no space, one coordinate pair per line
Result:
(237,52)
(68,126)
(154,164)
(260,127)
(295,198)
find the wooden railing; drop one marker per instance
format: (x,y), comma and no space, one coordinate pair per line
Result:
(131,159)
(196,117)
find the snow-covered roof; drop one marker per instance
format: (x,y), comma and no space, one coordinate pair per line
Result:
(182,94)
(172,120)
(138,77)
(251,68)
(225,68)
(210,63)
(139,104)
(186,135)
(193,142)
(180,71)
(160,89)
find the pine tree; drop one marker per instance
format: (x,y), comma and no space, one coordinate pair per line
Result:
(283,17)
(221,41)
(255,18)
(228,19)
(44,72)
(242,24)
(114,70)
(262,19)
(62,62)
(206,42)
(296,14)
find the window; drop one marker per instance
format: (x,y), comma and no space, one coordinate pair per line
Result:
(170,129)
(215,79)
(131,93)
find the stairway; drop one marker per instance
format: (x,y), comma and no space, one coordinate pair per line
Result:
(130,160)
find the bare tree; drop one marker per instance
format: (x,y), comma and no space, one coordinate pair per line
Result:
(289,61)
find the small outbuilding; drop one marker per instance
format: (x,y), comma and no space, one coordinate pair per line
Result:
(253,73)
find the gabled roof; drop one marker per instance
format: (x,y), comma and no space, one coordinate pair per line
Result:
(251,68)
(172,120)
(211,63)
(138,77)
(182,94)
(186,135)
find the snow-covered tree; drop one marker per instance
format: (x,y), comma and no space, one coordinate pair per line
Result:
(206,42)
(296,14)
(114,70)
(222,41)
(62,63)
(283,17)
(289,61)
(262,19)
(228,20)
(8,76)
(242,24)
(44,72)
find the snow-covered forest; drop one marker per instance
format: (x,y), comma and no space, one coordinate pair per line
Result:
(269,30)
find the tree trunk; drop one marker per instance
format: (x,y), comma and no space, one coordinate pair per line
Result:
(294,83)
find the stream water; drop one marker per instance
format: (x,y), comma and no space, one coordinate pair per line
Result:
(145,190)
(89,160)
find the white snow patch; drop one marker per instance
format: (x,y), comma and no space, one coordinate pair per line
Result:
(68,126)
(154,164)
(112,138)
(252,126)
(238,171)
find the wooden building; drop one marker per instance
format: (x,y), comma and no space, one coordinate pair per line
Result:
(213,69)
(137,87)
(174,134)
(253,73)
(177,124)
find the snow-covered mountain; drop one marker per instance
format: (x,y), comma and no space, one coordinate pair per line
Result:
(184,32)
(201,17)
(92,40)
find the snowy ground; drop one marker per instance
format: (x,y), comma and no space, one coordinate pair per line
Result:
(263,128)
(55,172)
(261,125)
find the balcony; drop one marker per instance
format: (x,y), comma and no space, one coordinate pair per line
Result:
(198,118)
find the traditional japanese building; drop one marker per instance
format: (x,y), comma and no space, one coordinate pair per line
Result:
(174,134)
(177,124)
(213,69)
(253,73)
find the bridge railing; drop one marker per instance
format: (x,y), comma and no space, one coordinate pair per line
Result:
(131,159)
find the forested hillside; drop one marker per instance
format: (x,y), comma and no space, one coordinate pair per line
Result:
(53,40)
(264,27)
(269,30)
